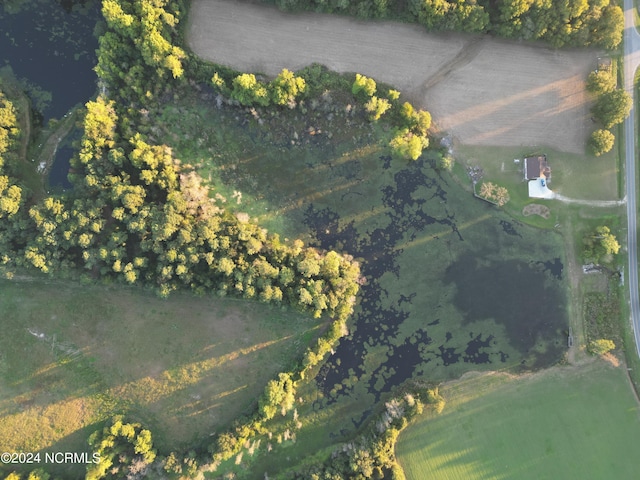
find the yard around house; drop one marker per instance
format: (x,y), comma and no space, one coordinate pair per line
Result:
(566,422)
(185,367)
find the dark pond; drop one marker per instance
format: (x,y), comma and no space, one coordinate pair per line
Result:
(50,46)
(58,178)
(522,297)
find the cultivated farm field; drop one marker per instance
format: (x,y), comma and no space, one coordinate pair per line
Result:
(481,90)
(572,422)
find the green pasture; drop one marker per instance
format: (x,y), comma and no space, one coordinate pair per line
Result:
(71,356)
(570,422)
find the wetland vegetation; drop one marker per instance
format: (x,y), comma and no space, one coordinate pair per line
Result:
(180,184)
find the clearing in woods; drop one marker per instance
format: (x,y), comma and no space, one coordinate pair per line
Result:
(481,90)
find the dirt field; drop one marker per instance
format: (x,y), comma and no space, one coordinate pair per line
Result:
(483,91)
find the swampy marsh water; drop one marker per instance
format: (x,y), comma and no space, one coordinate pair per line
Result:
(452,283)
(50,47)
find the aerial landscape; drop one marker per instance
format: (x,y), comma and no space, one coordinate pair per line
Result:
(318,239)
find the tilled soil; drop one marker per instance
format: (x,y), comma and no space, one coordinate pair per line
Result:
(482,90)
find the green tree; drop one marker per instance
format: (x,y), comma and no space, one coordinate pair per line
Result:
(38,474)
(600,346)
(407,145)
(606,29)
(445,162)
(601,141)
(363,84)
(607,240)
(8,124)
(612,108)
(286,87)
(510,14)
(600,244)
(278,395)
(418,121)
(10,197)
(422,122)
(249,91)
(376,107)
(124,449)
(601,81)
(393,94)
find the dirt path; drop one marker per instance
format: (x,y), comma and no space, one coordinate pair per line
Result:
(462,58)
(576,320)
(483,91)
(590,203)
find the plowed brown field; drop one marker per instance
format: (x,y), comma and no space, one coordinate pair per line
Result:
(481,90)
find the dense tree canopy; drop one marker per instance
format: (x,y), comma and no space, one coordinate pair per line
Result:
(601,141)
(600,244)
(559,22)
(11,193)
(138,46)
(601,81)
(612,108)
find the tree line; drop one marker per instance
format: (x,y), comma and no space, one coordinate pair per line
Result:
(409,127)
(136,215)
(11,193)
(559,22)
(612,106)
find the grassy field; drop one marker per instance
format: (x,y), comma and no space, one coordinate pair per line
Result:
(72,356)
(570,422)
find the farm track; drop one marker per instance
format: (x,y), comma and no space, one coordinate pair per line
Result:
(590,203)
(463,58)
(481,90)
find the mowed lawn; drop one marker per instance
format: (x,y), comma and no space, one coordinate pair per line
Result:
(565,423)
(72,356)
(582,177)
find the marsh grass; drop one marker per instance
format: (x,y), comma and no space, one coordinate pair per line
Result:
(288,182)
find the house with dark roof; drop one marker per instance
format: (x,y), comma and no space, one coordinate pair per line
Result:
(536,167)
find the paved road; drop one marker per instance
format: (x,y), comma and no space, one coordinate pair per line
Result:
(631,63)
